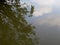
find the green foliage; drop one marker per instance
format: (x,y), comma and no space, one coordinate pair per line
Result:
(14,29)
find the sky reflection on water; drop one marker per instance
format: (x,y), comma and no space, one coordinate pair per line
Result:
(47,20)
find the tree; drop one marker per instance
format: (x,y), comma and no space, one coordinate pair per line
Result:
(14,29)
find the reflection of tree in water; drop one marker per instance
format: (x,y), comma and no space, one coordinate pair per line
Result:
(14,29)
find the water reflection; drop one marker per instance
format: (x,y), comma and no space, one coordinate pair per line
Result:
(14,29)
(47,21)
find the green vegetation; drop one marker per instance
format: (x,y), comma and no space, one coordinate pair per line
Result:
(14,29)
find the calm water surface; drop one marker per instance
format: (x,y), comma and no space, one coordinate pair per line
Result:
(46,19)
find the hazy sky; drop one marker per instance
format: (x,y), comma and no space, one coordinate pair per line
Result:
(43,6)
(49,9)
(46,12)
